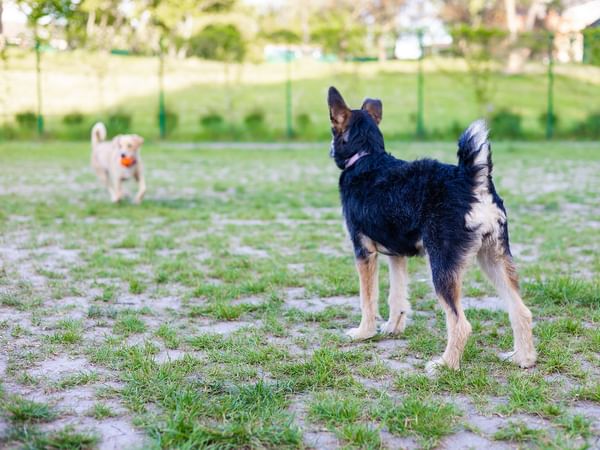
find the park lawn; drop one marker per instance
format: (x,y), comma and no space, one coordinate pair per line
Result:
(97,86)
(213,314)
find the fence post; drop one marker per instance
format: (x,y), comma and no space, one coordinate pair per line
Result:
(38,71)
(550,103)
(162,116)
(288,93)
(420,124)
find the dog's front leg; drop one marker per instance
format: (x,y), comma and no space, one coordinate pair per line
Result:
(398,299)
(116,192)
(139,176)
(369,294)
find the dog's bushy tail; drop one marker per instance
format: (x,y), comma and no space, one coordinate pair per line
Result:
(98,133)
(475,154)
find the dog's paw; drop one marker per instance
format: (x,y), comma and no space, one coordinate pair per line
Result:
(395,326)
(360,334)
(432,368)
(523,360)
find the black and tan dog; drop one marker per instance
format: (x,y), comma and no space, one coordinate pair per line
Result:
(400,209)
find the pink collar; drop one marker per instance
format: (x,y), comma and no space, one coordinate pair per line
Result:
(354,158)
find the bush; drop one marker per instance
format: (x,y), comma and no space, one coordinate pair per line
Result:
(171,121)
(119,122)
(213,124)
(7,133)
(589,127)
(73,119)
(255,119)
(303,121)
(26,120)
(591,46)
(254,123)
(506,124)
(543,120)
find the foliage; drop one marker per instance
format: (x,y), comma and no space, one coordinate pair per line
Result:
(119,122)
(591,38)
(339,35)
(213,125)
(219,42)
(283,36)
(255,118)
(543,120)
(73,119)
(589,127)
(506,124)
(171,121)
(480,47)
(26,120)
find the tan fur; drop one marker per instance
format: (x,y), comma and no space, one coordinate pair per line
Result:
(398,298)
(369,296)
(501,271)
(458,329)
(106,162)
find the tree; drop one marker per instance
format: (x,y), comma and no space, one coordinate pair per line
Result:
(101,25)
(384,14)
(167,26)
(340,35)
(35,10)
(480,48)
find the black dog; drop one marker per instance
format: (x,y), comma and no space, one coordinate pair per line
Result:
(400,209)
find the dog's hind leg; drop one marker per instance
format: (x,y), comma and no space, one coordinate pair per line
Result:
(369,294)
(497,264)
(398,299)
(447,282)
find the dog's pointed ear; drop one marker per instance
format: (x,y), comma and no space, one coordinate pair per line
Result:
(339,113)
(139,141)
(374,107)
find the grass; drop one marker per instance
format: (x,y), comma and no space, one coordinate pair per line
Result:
(213,314)
(196,88)
(428,420)
(21,410)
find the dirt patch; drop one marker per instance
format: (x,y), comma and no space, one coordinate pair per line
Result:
(491,303)
(317,304)
(56,368)
(225,327)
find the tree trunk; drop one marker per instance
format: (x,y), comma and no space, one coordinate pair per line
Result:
(511,18)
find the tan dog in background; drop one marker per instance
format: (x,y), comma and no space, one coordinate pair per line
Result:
(117,160)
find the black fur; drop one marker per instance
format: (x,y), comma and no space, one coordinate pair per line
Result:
(399,204)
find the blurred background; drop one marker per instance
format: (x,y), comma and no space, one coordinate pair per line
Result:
(258,70)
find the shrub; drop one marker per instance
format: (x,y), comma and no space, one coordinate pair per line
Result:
(171,121)
(255,119)
(213,124)
(26,119)
(506,124)
(212,120)
(119,122)
(589,127)
(254,123)
(7,133)
(303,121)
(543,120)
(73,119)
